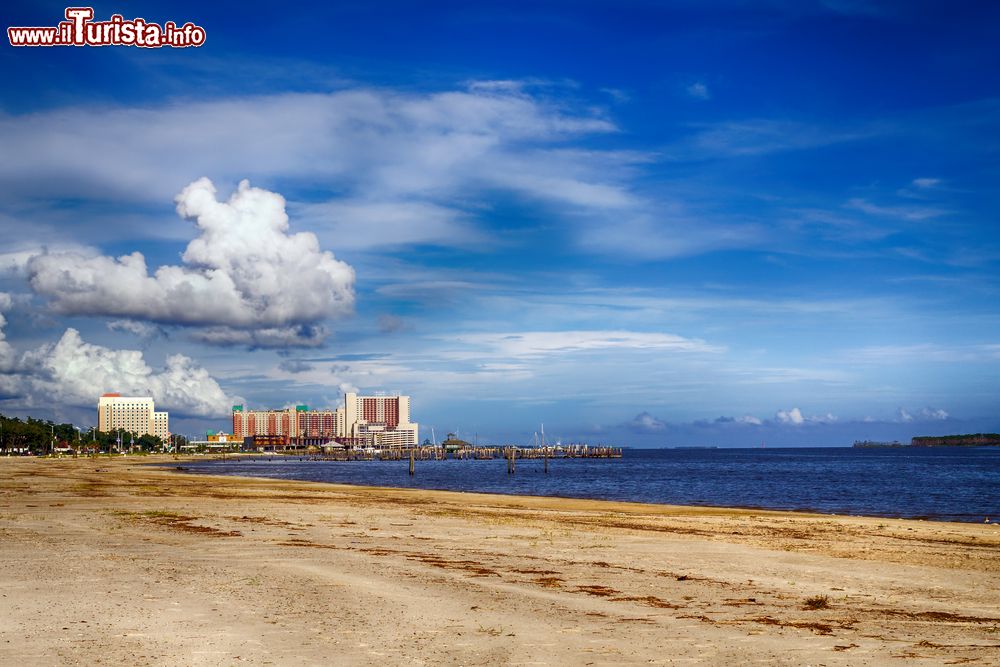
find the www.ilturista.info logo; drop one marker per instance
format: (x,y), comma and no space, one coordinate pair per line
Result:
(79,29)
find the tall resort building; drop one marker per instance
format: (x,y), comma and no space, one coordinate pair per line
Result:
(135,414)
(366,421)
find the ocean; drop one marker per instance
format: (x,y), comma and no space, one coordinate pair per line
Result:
(943,484)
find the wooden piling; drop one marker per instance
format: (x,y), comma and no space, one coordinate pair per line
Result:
(411,462)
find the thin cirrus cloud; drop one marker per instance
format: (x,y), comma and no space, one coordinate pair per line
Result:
(245,278)
(759,136)
(367,141)
(908,213)
(406,168)
(364,224)
(527,344)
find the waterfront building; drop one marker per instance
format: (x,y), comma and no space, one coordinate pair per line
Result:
(135,414)
(367,421)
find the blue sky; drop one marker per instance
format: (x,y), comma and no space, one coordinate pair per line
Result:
(645,223)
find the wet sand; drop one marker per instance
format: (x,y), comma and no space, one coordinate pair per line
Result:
(106,561)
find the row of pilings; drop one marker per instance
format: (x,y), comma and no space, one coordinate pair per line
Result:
(474,453)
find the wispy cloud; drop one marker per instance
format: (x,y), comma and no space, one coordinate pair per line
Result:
(761,136)
(923,352)
(911,213)
(926,183)
(698,91)
(541,343)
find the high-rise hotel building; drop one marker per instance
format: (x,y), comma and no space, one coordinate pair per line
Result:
(372,421)
(134,414)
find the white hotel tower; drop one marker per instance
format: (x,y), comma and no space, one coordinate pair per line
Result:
(134,414)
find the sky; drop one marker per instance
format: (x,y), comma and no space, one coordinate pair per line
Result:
(640,223)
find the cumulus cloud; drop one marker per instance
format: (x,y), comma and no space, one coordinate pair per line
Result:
(923,415)
(245,277)
(74,372)
(749,420)
(645,423)
(6,352)
(794,417)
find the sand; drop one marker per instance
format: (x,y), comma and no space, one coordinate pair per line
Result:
(107,561)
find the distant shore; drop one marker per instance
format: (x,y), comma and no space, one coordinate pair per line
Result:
(114,561)
(966,440)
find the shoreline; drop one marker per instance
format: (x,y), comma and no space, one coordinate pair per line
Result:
(939,518)
(148,565)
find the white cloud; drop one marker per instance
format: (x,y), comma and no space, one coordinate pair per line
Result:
(926,183)
(6,352)
(924,415)
(646,423)
(407,168)
(936,414)
(924,352)
(541,343)
(746,420)
(908,213)
(243,273)
(358,223)
(793,416)
(664,233)
(366,140)
(74,372)
(139,329)
(758,137)
(698,91)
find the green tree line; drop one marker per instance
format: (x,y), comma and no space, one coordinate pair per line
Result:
(38,436)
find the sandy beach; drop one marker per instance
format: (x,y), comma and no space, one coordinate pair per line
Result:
(109,561)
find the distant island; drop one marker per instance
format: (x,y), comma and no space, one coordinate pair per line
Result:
(876,443)
(967,440)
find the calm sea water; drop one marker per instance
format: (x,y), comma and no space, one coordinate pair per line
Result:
(947,484)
